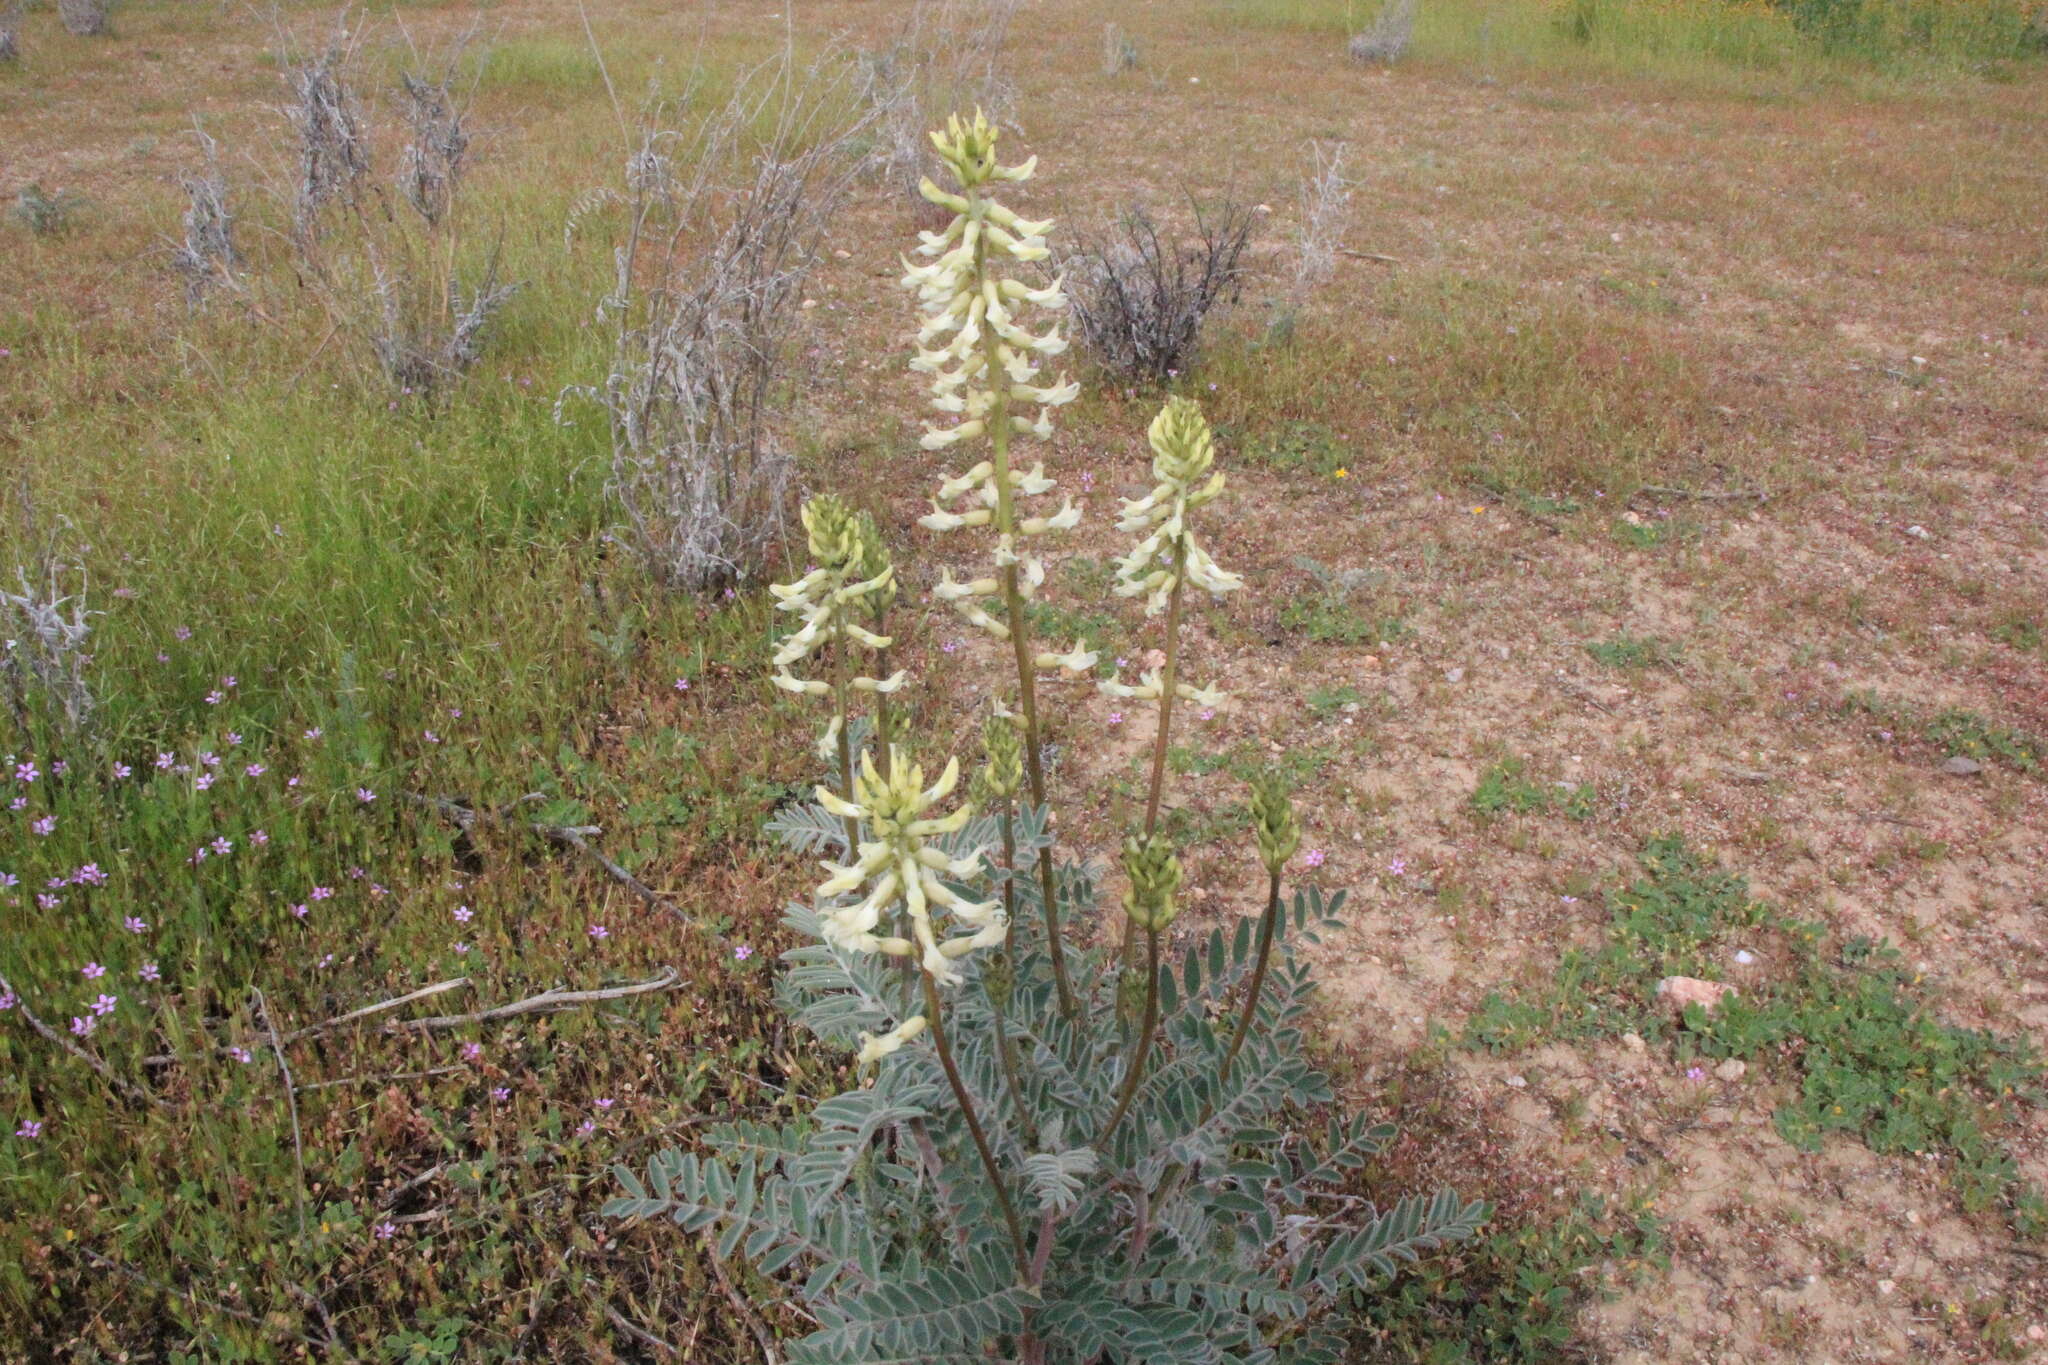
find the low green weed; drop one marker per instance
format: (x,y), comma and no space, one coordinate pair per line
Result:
(1330,618)
(1506,788)
(1869,1055)
(1632,652)
(1513,1296)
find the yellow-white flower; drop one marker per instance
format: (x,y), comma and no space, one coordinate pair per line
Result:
(829,599)
(874,1047)
(896,869)
(1183,451)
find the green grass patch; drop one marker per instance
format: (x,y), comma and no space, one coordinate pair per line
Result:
(1634,652)
(1512,1296)
(1848,1025)
(1330,617)
(1957,731)
(1506,788)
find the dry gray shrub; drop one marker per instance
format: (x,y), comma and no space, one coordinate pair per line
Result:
(1119,51)
(1385,41)
(432,162)
(334,145)
(1139,300)
(86,18)
(207,257)
(43,633)
(421,351)
(394,277)
(10,33)
(946,57)
(723,218)
(1325,211)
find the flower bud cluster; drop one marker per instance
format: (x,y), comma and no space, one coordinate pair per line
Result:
(1155,876)
(1002,771)
(851,575)
(1273,820)
(897,869)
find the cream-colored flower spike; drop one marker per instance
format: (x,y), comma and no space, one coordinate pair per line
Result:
(1183,451)
(897,869)
(985,363)
(827,599)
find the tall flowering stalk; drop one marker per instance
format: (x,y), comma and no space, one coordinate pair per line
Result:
(851,577)
(1165,560)
(985,368)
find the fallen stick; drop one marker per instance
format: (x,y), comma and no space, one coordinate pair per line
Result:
(549,1001)
(127,1088)
(291,1099)
(1369,256)
(637,1332)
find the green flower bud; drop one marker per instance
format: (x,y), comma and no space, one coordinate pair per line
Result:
(1273,820)
(1155,876)
(998,978)
(872,562)
(1130,993)
(834,538)
(1005,752)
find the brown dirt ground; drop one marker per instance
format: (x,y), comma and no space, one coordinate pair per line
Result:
(1856,328)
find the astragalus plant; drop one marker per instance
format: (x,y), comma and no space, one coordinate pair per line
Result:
(1048,1156)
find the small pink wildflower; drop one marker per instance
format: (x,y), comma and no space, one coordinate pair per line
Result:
(149,972)
(259,837)
(122,770)
(1315,857)
(586,1128)
(242,1055)
(606,1102)
(105,1004)
(1116,718)
(463,914)
(83,1027)
(385,1230)
(682,684)
(1695,1074)
(472,1052)
(314,733)
(501,1093)
(321,893)
(215,698)
(365,795)
(1398,867)
(203,781)
(29,1129)
(743,952)
(135,924)
(92,971)
(598,931)
(45,826)
(254,770)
